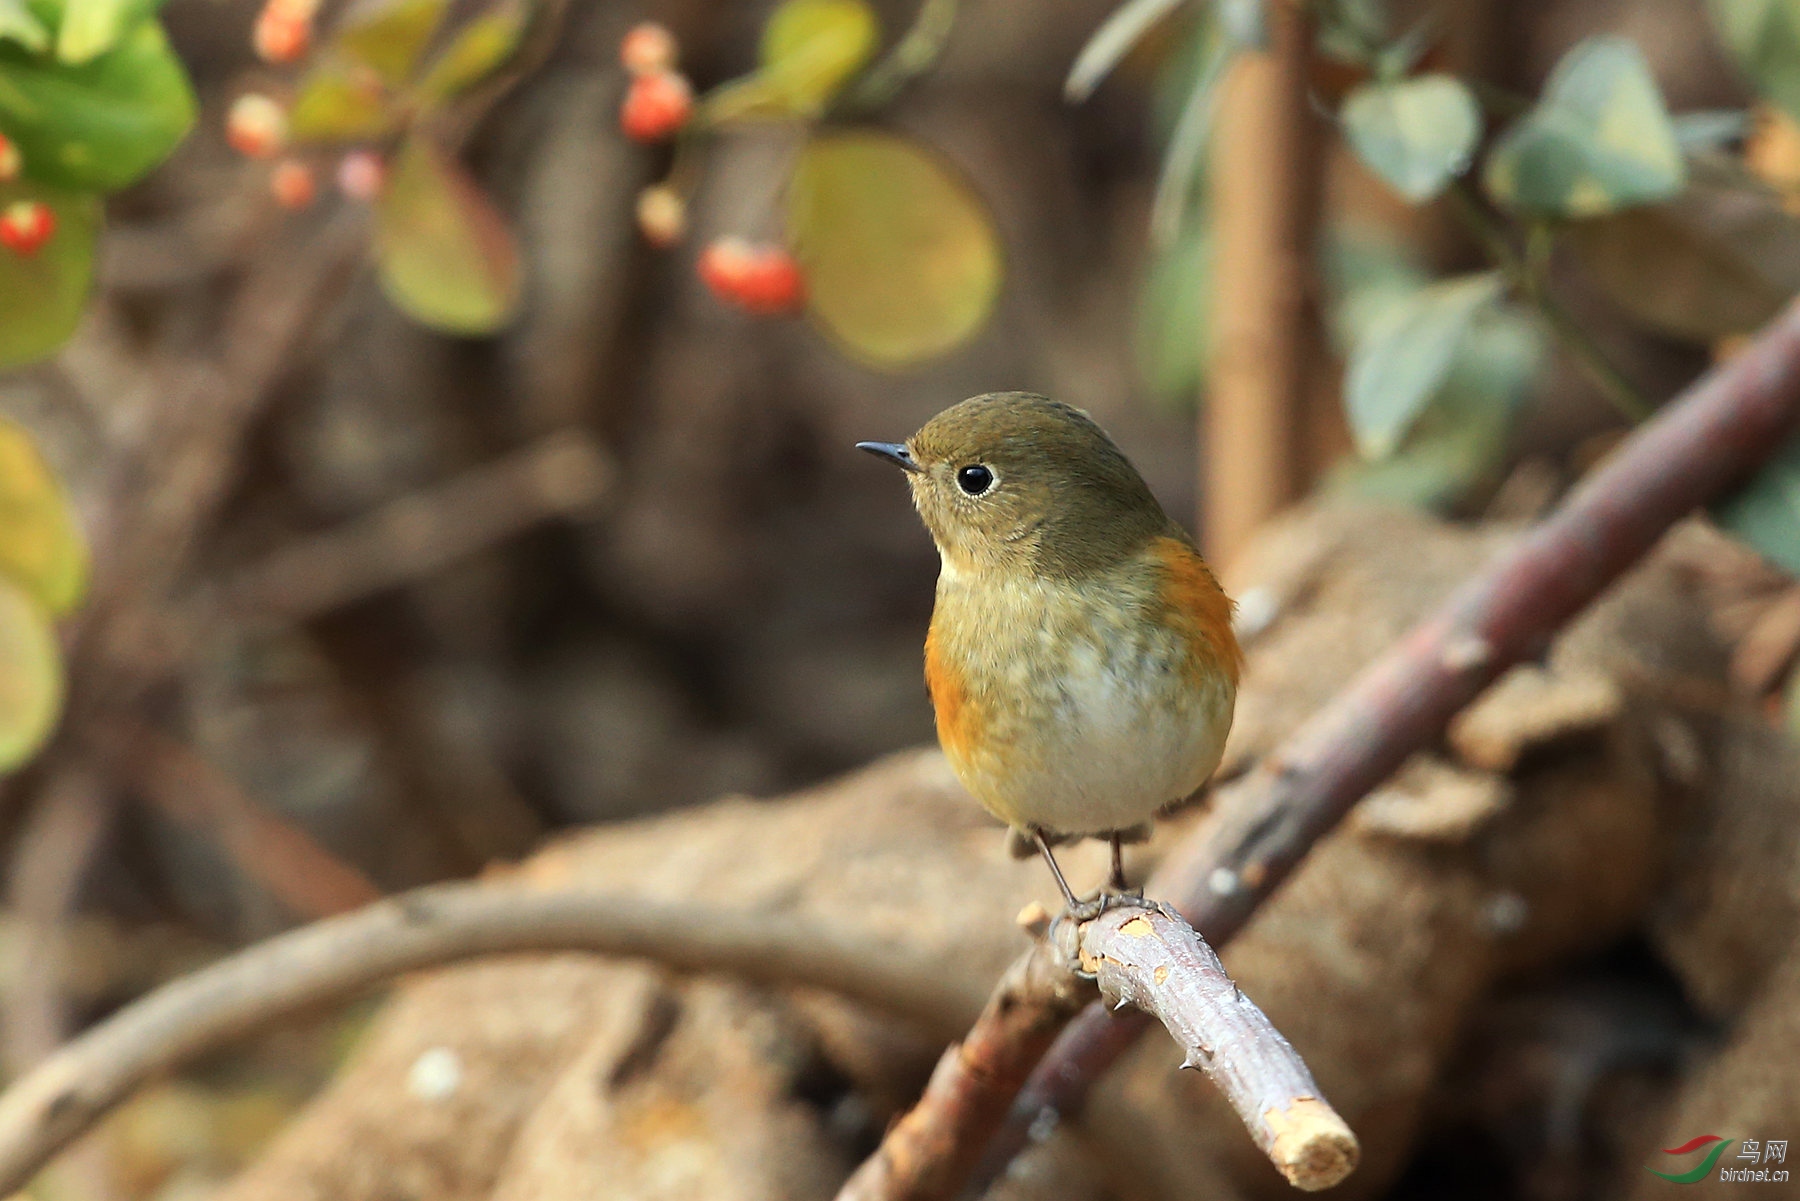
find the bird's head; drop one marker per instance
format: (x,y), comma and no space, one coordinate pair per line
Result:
(1012,482)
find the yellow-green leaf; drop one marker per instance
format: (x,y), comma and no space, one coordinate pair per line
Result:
(479,49)
(41,548)
(446,256)
(389,35)
(341,101)
(810,49)
(18,25)
(92,27)
(901,258)
(42,295)
(31,677)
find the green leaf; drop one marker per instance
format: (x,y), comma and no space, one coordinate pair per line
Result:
(92,27)
(18,25)
(1719,259)
(902,261)
(1461,440)
(31,677)
(101,125)
(388,35)
(42,296)
(1417,134)
(479,49)
(41,547)
(1766,512)
(1764,37)
(341,101)
(446,256)
(1404,356)
(1599,140)
(1123,28)
(810,49)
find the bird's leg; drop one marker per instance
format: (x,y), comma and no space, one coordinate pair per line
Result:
(1116,881)
(1043,847)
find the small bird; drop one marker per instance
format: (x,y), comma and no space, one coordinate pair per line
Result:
(1080,660)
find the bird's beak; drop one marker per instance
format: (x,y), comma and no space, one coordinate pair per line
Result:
(894,452)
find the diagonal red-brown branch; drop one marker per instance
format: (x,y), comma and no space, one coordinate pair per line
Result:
(1701,446)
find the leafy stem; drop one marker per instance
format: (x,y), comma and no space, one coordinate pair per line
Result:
(915,53)
(1600,370)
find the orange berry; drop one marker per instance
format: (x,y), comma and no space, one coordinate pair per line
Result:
(361,175)
(282,34)
(760,279)
(657,105)
(661,215)
(292,184)
(25,226)
(256,126)
(11,161)
(649,47)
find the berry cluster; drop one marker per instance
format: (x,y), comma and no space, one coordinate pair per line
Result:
(760,278)
(660,99)
(257,127)
(25,225)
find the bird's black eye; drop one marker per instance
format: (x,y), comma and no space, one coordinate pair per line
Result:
(974,479)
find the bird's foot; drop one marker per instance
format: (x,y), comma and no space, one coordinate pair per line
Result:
(1108,898)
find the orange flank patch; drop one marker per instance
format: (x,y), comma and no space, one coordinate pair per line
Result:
(1198,602)
(949,701)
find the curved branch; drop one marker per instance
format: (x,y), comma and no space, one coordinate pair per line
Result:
(329,960)
(1697,449)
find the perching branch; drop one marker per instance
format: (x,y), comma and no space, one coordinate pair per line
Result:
(922,1153)
(332,959)
(1142,955)
(1153,960)
(1698,448)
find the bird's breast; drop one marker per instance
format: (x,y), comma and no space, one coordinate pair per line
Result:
(1084,705)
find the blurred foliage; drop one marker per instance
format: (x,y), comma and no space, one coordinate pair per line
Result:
(446,256)
(901,258)
(1599,140)
(43,573)
(1662,212)
(1417,134)
(809,51)
(92,98)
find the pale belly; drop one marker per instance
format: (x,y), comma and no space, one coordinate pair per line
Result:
(1089,719)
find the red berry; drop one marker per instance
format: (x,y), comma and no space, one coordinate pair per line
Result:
(11,161)
(256,126)
(25,226)
(292,184)
(657,105)
(760,279)
(648,47)
(361,174)
(661,215)
(283,32)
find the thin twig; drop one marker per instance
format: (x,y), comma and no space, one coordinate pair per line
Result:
(1695,450)
(562,474)
(339,957)
(1601,371)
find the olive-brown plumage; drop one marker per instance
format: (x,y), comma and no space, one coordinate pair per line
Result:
(1080,659)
